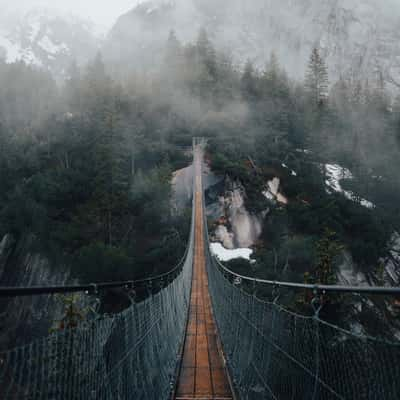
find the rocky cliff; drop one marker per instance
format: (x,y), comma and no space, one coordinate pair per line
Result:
(23,319)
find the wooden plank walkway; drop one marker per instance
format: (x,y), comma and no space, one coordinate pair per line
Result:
(203,374)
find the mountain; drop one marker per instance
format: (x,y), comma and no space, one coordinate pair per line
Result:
(137,39)
(358,38)
(47,39)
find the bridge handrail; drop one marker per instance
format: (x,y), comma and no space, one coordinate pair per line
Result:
(276,353)
(378,290)
(316,288)
(91,288)
(132,353)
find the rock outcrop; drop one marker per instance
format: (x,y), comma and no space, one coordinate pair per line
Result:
(23,319)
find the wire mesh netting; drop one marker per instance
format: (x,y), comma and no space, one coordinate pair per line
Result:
(273,353)
(131,355)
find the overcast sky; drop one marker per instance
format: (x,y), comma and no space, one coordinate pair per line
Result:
(103,12)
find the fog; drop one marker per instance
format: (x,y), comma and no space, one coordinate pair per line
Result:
(350,32)
(105,12)
(102,12)
(241,74)
(93,126)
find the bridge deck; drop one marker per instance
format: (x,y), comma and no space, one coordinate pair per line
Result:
(203,374)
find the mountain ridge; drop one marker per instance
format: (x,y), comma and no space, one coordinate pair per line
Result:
(48,40)
(358,39)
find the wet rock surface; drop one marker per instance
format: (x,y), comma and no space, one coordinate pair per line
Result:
(23,319)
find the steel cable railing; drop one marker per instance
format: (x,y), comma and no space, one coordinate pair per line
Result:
(271,352)
(274,353)
(131,355)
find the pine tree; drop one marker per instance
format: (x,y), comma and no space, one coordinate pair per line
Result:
(317,82)
(112,173)
(206,62)
(396,118)
(328,248)
(271,74)
(97,86)
(173,57)
(378,97)
(341,93)
(73,88)
(3,142)
(357,95)
(205,49)
(226,85)
(5,155)
(248,83)
(275,80)
(109,155)
(96,71)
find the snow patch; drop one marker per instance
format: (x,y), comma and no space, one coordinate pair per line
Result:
(268,195)
(293,173)
(34,30)
(46,44)
(12,51)
(305,151)
(44,38)
(224,254)
(335,173)
(30,58)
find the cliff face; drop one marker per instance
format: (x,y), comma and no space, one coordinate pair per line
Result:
(241,228)
(23,319)
(373,314)
(182,188)
(236,228)
(392,261)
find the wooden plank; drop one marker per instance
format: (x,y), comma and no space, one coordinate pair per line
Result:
(202,374)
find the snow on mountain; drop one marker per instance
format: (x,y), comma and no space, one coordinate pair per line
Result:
(358,38)
(334,174)
(47,39)
(8,50)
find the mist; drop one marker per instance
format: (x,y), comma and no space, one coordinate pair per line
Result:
(102,13)
(95,127)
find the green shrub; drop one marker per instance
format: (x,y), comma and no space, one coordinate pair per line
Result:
(103,263)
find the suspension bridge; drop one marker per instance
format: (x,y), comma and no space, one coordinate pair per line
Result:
(200,335)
